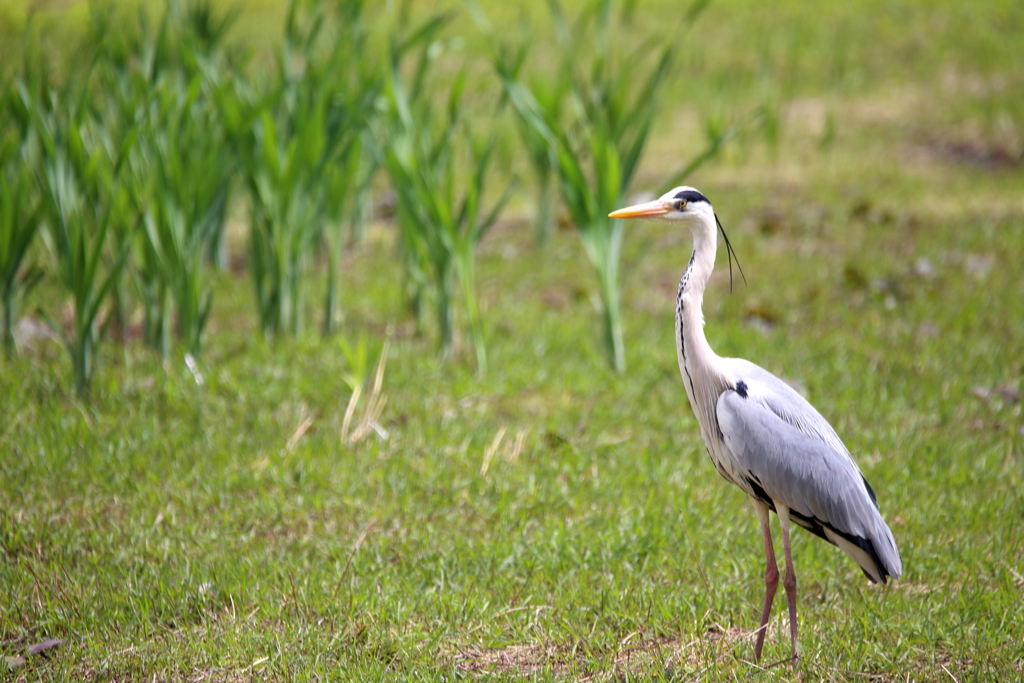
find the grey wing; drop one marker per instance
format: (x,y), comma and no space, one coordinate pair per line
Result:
(776,440)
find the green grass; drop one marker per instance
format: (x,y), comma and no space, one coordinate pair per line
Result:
(166,529)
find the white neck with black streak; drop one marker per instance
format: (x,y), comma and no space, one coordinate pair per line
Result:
(698,364)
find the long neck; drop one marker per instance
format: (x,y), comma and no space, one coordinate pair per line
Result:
(698,364)
(690,299)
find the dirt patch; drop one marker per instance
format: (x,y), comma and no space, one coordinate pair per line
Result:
(524,659)
(635,654)
(988,155)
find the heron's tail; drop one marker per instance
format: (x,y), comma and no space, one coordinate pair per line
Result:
(876,556)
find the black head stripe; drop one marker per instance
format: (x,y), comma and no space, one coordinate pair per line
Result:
(691,196)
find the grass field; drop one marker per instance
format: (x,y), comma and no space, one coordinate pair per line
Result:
(555,520)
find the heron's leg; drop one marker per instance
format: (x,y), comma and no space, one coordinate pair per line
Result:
(771,576)
(790,581)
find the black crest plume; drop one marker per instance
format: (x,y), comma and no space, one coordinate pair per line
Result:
(731,253)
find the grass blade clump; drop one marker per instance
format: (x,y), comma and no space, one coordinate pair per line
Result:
(440,212)
(357,360)
(19,222)
(160,82)
(81,175)
(356,81)
(20,207)
(346,184)
(185,198)
(285,225)
(550,91)
(181,177)
(306,129)
(594,131)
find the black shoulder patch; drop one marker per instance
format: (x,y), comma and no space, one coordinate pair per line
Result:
(741,388)
(692,196)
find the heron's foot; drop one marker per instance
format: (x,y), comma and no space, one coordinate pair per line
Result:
(759,643)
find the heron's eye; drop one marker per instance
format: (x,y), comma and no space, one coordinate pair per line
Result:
(680,205)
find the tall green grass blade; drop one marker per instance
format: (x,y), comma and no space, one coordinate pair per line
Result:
(80,215)
(596,151)
(20,214)
(439,212)
(298,148)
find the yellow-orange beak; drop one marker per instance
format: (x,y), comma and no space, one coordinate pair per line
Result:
(648,210)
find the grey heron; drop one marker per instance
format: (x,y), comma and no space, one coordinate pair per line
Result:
(761,434)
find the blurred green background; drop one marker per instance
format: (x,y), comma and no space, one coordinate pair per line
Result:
(311,367)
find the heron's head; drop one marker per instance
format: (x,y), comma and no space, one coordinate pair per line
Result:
(684,206)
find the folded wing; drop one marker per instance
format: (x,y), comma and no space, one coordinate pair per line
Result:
(789,455)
